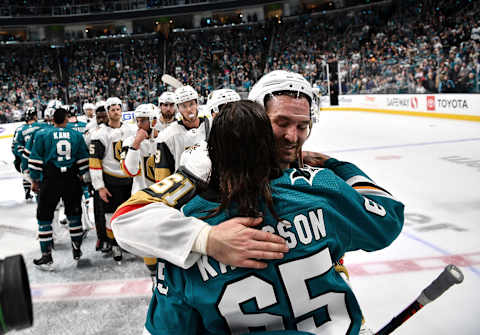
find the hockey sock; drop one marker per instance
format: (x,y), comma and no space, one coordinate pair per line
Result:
(45,235)
(76,230)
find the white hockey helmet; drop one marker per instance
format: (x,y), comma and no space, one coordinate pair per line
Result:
(55,104)
(280,81)
(146,110)
(88,105)
(48,113)
(167,98)
(186,93)
(30,113)
(111,102)
(99,104)
(221,97)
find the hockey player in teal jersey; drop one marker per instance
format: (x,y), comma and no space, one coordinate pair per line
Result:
(73,121)
(22,142)
(320,216)
(58,159)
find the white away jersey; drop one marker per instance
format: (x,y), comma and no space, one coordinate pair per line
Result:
(139,164)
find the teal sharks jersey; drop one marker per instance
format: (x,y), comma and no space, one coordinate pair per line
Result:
(28,140)
(62,147)
(78,126)
(322,218)
(24,134)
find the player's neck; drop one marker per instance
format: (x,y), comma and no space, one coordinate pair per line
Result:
(192,124)
(60,125)
(114,124)
(284,166)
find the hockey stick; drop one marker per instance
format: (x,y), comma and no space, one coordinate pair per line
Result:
(174,82)
(450,275)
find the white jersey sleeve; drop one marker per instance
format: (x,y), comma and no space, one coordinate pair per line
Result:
(157,230)
(130,158)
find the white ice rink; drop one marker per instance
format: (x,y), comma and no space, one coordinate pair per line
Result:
(431,165)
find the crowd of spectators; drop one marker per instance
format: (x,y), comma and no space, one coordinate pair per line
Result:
(413,49)
(212,58)
(416,50)
(124,67)
(29,72)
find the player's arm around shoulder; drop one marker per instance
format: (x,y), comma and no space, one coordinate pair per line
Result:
(149,224)
(373,219)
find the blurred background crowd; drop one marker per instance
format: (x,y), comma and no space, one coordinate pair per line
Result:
(416,47)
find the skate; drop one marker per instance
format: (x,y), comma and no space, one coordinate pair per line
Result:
(106,247)
(28,196)
(45,262)
(98,245)
(117,253)
(76,251)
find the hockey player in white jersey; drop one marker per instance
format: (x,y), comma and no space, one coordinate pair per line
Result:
(187,132)
(92,122)
(138,152)
(111,182)
(166,102)
(89,111)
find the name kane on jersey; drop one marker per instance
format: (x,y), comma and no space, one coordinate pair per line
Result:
(61,135)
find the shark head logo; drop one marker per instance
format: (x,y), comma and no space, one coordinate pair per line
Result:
(307,173)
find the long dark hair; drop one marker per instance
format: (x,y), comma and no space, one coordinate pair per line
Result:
(242,150)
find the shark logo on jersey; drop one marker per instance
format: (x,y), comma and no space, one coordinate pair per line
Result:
(307,173)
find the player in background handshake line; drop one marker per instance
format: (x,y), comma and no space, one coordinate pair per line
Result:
(138,152)
(166,103)
(112,183)
(138,156)
(89,112)
(74,121)
(99,120)
(58,159)
(183,134)
(20,142)
(321,216)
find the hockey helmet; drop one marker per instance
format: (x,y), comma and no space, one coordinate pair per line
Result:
(111,102)
(186,93)
(30,113)
(146,110)
(220,97)
(280,81)
(167,98)
(88,106)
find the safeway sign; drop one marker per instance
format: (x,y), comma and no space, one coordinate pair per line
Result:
(459,104)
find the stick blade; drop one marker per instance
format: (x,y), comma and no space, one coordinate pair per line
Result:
(169,80)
